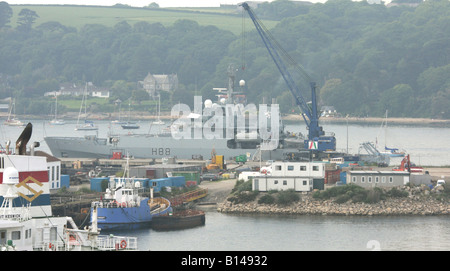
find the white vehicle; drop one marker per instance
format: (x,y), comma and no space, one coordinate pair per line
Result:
(440,182)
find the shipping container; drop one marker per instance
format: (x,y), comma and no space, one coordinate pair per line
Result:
(219,161)
(241,158)
(65,181)
(332,176)
(178,181)
(96,184)
(343,177)
(188,175)
(158,184)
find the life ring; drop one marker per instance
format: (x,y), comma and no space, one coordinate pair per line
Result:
(124,204)
(123,244)
(264,171)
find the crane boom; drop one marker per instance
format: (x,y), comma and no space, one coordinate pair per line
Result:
(316,136)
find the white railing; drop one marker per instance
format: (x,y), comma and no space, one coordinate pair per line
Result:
(111,242)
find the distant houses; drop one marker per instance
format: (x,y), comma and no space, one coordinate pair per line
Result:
(154,83)
(75,90)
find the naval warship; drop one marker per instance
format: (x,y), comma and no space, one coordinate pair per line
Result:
(244,141)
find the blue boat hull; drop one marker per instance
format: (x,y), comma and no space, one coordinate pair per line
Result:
(126,217)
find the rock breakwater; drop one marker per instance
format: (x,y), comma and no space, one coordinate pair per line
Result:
(309,206)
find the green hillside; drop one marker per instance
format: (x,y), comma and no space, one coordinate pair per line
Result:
(77,16)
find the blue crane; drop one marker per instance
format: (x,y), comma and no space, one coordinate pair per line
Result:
(317,140)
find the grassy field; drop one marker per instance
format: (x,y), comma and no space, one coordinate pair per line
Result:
(77,16)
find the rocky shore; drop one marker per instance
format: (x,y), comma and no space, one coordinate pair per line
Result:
(412,205)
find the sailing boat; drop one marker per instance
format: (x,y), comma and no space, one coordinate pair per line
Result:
(130,125)
(87,125)
(392,152)
(119,121)
(12,121)
(56,121)
(159,121)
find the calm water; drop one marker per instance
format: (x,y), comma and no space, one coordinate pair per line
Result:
(426,145)
(225,232)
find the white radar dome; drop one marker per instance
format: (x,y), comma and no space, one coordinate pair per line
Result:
(10,176)
(208,103)
(242,83)
(223,100)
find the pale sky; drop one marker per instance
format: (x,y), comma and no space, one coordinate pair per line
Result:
(134,3)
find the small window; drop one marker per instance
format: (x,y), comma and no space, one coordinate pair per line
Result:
(363,179)
(284,182)
(15,235)
(354,179)
(391,179)
(369,179)
(290,168)
(277,167)
(275,182)
(377,179)
(302,168)
(315,168)
(383,179)
(305,183)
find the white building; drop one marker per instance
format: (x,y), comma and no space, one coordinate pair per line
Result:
(299,176)
(53,168)
(373,178)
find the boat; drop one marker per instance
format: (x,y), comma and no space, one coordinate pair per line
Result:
(88,125)
(159,121)
(179,220)
(129,124)
(392,152)
(26,219)
(57,121)
(373,155)
(123,208)
(164,144)
(12,120)
(118,121)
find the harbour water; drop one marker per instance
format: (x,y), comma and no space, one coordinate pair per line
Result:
(225,232)
(428,146)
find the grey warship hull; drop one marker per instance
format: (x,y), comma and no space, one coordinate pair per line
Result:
(157,147)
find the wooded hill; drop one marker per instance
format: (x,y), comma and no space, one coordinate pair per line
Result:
(366,58)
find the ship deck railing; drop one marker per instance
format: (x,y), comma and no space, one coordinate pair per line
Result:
(107,203)
(83,240)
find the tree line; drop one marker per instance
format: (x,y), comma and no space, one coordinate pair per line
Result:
(366,58)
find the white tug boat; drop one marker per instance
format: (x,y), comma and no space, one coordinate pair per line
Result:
(26,221)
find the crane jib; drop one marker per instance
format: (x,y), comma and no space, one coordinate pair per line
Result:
(312,115)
